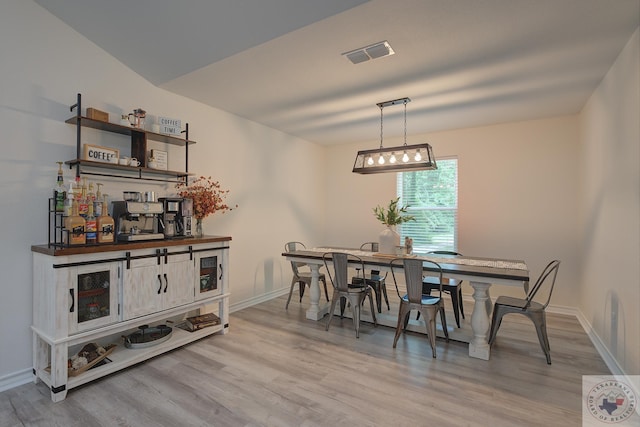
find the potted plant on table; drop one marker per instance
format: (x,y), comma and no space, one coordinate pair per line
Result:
(208,198)
(391,216)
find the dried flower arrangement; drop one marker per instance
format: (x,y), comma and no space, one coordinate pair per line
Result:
(207,195)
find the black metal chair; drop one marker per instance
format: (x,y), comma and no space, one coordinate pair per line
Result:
(344,291)
(450,286)
(373,278)
(301,277)
(528,307)
(414,299)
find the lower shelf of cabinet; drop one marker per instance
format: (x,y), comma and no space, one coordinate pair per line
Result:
(123,357)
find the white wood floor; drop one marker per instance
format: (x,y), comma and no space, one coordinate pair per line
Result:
(275,368)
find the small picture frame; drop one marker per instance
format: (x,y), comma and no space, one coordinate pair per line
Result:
(96,153)
(160,158)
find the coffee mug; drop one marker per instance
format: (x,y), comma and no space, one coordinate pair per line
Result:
(134,162)
(125,161)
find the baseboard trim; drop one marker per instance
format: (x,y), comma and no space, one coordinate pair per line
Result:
(257,300)
(16,379)
(606,355)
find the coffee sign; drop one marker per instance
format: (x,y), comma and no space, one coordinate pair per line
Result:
(95,153)
(170,126)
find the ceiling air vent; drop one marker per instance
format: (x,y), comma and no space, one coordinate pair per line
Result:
(376,50)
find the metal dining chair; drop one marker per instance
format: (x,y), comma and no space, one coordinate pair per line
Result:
(452,287)
(302,278)
(415,299)
(344,291)
(528,307)
(373,278)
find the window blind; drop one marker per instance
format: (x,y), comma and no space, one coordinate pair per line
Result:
(432,197)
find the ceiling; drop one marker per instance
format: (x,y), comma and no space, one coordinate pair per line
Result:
(463,63)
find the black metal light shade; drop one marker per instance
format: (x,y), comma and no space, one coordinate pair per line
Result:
(395,159)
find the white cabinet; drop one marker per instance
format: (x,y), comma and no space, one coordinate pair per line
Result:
(157,282)
(84,295)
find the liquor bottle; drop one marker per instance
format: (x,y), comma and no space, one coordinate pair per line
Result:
(83,206)
(91,225)
(75,225)
(106,224)
(97,204)
(68,202)
(59,193)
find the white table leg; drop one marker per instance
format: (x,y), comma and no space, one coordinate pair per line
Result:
(478,347)
(315,312)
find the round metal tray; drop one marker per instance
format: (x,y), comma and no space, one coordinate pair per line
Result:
(148,336)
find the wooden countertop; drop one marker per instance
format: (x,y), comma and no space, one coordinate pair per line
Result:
(125,246)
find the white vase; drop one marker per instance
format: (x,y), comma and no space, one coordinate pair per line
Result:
(388,240)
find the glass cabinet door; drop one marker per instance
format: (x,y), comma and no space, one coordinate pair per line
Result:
(208,274)
(94,296)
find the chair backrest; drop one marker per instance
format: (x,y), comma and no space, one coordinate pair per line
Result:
(370,246)
(292,247)
(340,262)
(550,271)
(413,273)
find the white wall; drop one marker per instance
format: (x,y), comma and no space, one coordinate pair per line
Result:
(518,187)
(610,223)
(44,65)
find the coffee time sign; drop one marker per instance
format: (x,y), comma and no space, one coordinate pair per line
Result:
(170,126)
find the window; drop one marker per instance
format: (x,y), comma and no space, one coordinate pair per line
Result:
(432,197)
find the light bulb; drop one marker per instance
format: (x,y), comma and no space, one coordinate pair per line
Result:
(405,157)
(370,160)
(418,157)
(392,159)
(381,160)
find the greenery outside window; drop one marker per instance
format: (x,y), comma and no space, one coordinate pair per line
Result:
(432,197)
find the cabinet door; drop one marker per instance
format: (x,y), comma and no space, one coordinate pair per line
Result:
(178,277)
(142,286)
(93,296)
(209,277)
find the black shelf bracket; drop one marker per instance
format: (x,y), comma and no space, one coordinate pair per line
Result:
(78,107)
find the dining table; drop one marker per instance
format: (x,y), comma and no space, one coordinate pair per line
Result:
(480,272)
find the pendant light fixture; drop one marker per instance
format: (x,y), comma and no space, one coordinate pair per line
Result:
(395,159)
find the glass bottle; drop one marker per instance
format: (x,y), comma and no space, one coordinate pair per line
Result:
(106,224)
(97,204)
(83,205)
(59,192)
(68,202)
(91,225)
(75,226)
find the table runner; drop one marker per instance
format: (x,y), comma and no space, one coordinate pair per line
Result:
(492,263)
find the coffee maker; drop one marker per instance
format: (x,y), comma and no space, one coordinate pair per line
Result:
(137,221)
(186,217)
(176,219)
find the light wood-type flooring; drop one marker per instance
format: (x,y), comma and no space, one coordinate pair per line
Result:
(276,368)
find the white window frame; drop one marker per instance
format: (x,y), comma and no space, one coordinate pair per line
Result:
(422,244)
